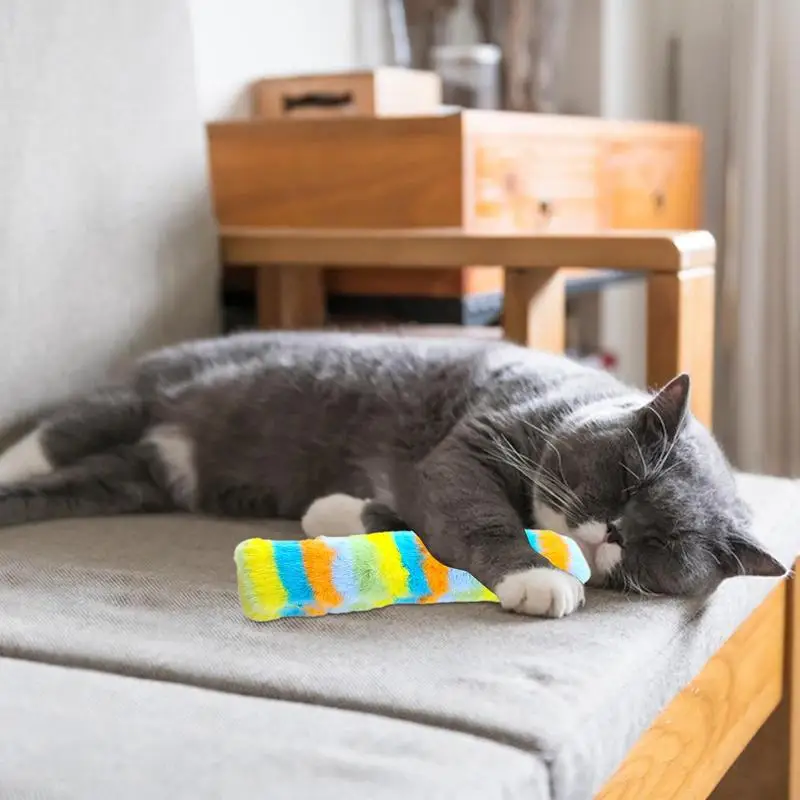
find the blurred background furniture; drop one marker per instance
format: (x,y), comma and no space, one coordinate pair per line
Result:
(680,269)
(480,171)
(381,92)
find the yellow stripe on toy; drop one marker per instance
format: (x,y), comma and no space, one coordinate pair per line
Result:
(320,576)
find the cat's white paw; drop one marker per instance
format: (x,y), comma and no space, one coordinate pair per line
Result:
(540,592)
(334,515)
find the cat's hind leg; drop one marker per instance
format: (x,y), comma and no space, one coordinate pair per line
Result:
(116,482)
(93,424)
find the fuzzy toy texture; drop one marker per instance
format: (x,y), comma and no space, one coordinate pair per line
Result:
(313,577)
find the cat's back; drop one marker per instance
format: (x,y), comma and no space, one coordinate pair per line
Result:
(329,365)
(398,360)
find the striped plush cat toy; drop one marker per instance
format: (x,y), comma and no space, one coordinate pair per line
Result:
(313,577)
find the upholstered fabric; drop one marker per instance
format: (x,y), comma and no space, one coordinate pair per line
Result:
(107,243)
(156,598)
(82,735)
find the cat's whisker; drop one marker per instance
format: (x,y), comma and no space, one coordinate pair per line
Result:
(637,478)
(545,434)
(515,465)
(509,456)
(667,446)
(560,462)
(568,497)
(666,471)
(560,500)
(627,586)
(556,490)
(562,483)
(641,453)
(639,589)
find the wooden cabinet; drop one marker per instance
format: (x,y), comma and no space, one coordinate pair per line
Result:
(478,170)
(652,179)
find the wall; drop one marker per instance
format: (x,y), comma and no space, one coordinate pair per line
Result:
(703,88)
(107,242)
(629,48)
(237,41)
(580,81)
(633,39)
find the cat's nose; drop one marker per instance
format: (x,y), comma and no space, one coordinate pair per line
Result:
(612,534)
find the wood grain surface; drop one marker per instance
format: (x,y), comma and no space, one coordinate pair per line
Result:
(697,737)
(656,251)
(680,333)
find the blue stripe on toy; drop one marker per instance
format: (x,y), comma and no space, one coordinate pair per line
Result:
(533,539)
(292,611)
(578,565)
(409,548)
(460,584)
(344,578)
(292,572)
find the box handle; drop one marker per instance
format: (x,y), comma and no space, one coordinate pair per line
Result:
(317,100)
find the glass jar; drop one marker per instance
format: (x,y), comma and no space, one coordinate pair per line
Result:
(470,75)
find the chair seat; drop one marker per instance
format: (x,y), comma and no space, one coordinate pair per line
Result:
(464,697)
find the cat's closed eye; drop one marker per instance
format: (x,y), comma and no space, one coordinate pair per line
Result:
(662,541)
(631,491)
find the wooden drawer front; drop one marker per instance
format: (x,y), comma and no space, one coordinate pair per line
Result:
(540,183)
(652,183)
(346,173)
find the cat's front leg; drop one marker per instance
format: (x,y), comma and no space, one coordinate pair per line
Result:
(460,509)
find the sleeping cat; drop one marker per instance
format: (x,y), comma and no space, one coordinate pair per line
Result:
(464,442)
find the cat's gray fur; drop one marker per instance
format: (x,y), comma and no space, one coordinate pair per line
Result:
(451,439)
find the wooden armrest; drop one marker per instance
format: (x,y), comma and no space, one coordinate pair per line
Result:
(654,251)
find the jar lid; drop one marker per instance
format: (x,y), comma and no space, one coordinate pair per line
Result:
(468,53)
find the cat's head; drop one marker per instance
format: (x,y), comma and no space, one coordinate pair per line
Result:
(647,492)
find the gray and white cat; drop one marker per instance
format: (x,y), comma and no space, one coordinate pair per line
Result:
(464,442)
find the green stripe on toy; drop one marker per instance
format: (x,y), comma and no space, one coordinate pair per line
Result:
(313,577)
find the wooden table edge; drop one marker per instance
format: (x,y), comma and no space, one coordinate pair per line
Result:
(425,248)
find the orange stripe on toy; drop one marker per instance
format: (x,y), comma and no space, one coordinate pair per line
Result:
(436,574)
(318,560)
(554,549)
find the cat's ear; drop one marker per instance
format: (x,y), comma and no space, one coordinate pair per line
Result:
(666,413)
(744,557)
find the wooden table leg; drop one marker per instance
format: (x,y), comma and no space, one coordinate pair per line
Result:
(290,298)
(680,333)
(535,309)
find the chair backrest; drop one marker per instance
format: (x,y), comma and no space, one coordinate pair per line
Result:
(107,243)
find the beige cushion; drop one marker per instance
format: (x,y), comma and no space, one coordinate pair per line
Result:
(82,735)
(156,598)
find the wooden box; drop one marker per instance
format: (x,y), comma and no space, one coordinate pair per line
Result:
(382,92)
(480,170)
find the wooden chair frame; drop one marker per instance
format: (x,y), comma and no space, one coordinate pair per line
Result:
(705,728)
